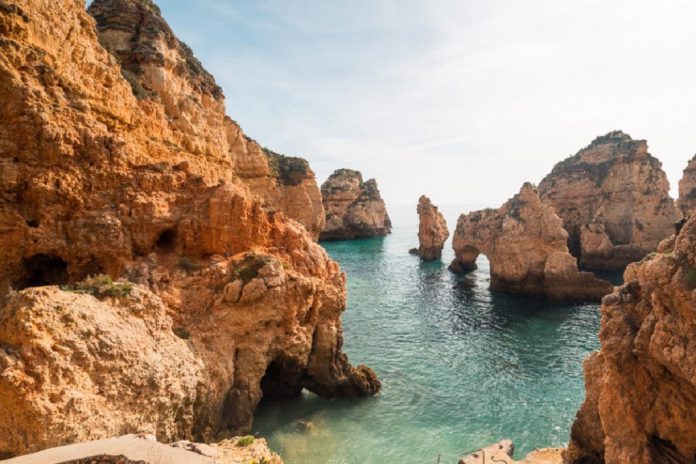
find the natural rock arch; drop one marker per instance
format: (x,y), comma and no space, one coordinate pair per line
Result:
(525,244)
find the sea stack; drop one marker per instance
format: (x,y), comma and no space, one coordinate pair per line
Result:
(143,287)
(613,197)
(640,403)
(432,230)
(687,189)
(526,246)
(353,208)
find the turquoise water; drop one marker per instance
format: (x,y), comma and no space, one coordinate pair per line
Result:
(461,366)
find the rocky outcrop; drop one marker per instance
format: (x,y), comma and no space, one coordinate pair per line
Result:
(229,302)
(640,405)
(144,449)
(353,208)
(162,69)
(525,243)
(432,230)
(687,189)
(613,197)
(503,452)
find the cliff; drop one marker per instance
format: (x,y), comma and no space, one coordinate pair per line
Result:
(687,189)
(640,405)
(432,230)
(353,208)
(163,70)
(613,197)
(525,243)
(225,301)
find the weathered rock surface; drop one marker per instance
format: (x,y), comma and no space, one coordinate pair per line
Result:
(613,197)
(432,230)
(99,176)
(144,449)
(525,243)
(687,189)
(640,405)
(503,452)
(163,70)
(353,208)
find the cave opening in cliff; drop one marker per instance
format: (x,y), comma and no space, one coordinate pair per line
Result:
(166,240)
(42,269)
(282,379)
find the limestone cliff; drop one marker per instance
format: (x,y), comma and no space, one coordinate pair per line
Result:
(432,230)
(525,243)
(614,199)
(163,70)
(687,189)
(640,405)
(353,208)
(98,176)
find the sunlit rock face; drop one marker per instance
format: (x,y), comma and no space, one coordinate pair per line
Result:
(640,404)
(432,230)
(613,197)
(687,189)
(116,158)
(353,208)
(161,69)
(525,242)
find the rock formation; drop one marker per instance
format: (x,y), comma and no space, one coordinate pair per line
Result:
(640,405)
(161,68)
(432,230)
(687,189)
(614,199)
(144,449)
(121,163)
(525,243)
(353,208)
(503,452)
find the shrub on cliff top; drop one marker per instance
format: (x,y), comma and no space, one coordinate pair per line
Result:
(99,286)
(245,441)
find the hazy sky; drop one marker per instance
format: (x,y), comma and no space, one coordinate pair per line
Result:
(461,100)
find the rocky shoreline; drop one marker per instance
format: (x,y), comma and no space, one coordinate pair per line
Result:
(162,273)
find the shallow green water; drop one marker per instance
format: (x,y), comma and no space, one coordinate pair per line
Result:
(461,366)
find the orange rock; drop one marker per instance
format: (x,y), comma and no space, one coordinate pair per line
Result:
(640,405)
(353,208)
(128,169)
(164,73)
(525,243)
(432,230)
(613,197)
(687,188)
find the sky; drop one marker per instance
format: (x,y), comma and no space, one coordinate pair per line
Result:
(461,100)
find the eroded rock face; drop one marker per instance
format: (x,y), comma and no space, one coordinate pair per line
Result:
(99,178)
(162,69)
(687,189)
(353,208)
(525,243)
(640,405)
(432,230)
(613,197)
(503,452)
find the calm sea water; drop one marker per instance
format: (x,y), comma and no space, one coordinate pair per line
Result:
(461,366)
